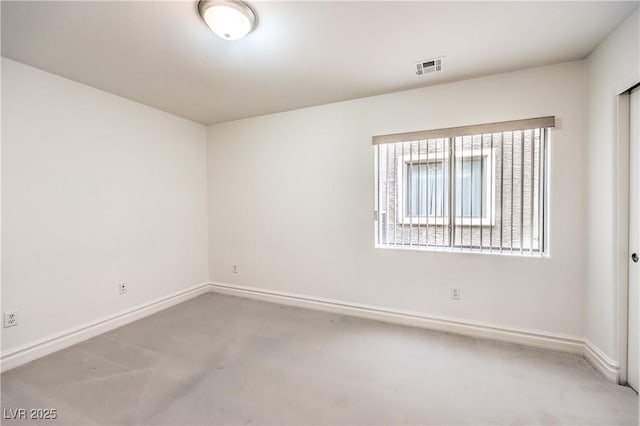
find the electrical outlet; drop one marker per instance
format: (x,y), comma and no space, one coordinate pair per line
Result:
(122,288)
(235,269)
(455,293)
(10,319)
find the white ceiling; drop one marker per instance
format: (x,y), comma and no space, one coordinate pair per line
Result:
(161,54)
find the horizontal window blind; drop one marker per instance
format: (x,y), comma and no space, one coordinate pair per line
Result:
(480,192)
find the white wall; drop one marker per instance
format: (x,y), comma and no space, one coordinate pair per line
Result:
(612,68)
(96,190)
(291,201)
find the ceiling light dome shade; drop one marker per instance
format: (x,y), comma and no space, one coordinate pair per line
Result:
(228,19)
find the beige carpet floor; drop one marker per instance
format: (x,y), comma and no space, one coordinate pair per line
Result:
(225,360)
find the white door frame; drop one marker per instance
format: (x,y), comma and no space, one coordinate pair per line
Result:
(622,227)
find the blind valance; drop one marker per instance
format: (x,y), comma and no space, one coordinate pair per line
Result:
(476,129)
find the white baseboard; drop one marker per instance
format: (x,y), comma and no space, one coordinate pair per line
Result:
(50,344)
(452,325)
(601,362)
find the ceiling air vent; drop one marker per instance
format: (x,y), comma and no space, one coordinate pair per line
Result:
(430,65)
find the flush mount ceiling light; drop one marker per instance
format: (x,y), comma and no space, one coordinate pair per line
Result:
(228,19)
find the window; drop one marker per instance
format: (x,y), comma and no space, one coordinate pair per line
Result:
(422,185)
(429,175)
(474,188)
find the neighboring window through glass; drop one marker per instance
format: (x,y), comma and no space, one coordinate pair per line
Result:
(426,185)
(471,181)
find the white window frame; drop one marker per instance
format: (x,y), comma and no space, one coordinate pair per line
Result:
(401,178)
